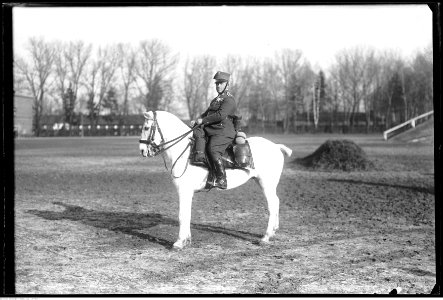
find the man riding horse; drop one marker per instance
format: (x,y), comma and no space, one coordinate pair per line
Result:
(217,131)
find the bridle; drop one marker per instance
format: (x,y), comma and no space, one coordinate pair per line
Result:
(151,136)
(159,149)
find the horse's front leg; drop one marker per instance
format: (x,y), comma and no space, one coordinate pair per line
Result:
(185,201)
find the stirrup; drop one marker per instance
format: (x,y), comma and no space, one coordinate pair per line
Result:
(223,185)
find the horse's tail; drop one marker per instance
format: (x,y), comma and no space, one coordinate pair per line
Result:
(285,150)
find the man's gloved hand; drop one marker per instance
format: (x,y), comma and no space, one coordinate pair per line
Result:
(198,122)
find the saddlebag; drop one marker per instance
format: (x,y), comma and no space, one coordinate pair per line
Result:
(242,155)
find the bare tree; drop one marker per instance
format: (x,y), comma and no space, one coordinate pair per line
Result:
(256,96)
(91,83)
(318,99)
(350,72)
(355,77)
(36,74)
(61,71)
(155,65)
(332,101)
(260,98)
(196,83)
(270,86)
(99,79)
(208,67)
(316,102)
(241,78)
(192,84)
(266,102)
(422,68)
(289,63)
(371,68)
(20,83)
(70,63)
(302,91)
(392,63)
(127,67)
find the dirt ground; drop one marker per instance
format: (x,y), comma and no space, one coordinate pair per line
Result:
(94,217)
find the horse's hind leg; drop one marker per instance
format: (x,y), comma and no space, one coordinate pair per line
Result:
(269,188)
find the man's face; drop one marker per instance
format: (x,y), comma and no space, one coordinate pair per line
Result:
(220,86)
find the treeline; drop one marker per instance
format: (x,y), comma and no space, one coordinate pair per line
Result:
(286,90)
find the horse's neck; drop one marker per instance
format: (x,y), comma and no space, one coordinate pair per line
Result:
(172,127)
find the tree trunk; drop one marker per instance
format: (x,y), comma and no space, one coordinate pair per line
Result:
(368,121)
(308,117)
(70,123)
(286,120)
(36,122)
(388,113)
(38,113)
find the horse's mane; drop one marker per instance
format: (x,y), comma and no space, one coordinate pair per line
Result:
(167,115)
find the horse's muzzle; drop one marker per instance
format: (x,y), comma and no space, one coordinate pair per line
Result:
(144,151)
(148,150)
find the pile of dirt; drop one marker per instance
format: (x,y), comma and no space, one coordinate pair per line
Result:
(332,155)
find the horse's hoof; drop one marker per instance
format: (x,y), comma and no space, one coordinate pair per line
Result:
(264,241)
(176,248)
(180,245)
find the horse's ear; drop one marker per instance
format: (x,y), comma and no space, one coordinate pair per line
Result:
(149,115)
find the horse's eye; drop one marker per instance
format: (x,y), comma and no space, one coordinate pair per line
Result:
(146,128)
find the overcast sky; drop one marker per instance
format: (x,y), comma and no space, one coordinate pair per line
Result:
(319,31)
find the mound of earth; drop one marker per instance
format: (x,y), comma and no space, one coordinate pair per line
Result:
(332,155)
(423,133)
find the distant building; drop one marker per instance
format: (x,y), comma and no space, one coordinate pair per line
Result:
(23,115)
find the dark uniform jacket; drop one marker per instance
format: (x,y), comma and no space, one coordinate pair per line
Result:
(217,119)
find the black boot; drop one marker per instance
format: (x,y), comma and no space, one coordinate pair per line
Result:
(199,157)
(211,176)
(220,174)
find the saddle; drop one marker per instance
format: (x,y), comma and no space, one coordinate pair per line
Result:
(236,156)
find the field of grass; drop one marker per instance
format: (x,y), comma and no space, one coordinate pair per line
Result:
(94,217)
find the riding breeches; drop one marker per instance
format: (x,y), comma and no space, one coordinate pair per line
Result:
(215,146)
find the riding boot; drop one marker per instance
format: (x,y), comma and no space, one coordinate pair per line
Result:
(199,151)
(220,174)
(211,175)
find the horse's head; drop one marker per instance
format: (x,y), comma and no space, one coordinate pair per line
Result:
(151,135)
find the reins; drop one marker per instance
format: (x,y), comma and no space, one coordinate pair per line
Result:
(150,139)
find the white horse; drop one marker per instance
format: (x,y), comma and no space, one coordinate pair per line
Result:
(166,134)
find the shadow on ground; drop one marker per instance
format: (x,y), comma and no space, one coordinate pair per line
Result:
(131,223)
(429,190)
